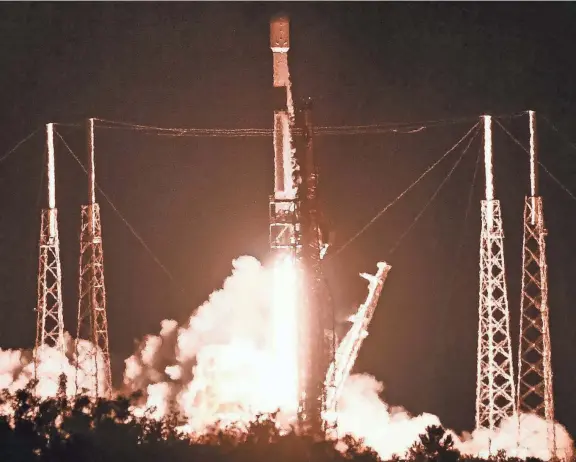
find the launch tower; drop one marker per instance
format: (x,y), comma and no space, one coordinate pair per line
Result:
(317,322)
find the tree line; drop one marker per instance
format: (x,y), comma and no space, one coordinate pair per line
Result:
(104,430)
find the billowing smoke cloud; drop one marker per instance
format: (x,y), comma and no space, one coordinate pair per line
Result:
(219,367)
(363,414)
(17,369)
(392,430)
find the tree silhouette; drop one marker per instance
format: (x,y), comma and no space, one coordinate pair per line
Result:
(434,446)
(85,429)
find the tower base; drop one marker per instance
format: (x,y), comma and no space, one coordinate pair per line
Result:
(495,391)
(93,372)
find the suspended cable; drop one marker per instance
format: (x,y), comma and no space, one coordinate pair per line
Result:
(570,143)
(463,227)
(383,210)
(558,182)
(17,145)
(374,129)
(124,220)
(429,202)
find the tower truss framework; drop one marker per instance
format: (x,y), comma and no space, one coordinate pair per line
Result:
(50,319)
(495,391)
(535,389)
(495,397)
(535,393)
(93,371)
(93,360)
(316,326)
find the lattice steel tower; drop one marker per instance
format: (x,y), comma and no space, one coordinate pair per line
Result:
(93,372)
(495,391)
(535,393)
(50,321)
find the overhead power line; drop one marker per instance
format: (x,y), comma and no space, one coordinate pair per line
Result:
(124,220)
(556,180)
(402,194)
(370,129)
(560,134)
(17,145)
(429,202)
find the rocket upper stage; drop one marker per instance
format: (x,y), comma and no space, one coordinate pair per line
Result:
(280,34)
(280,44)
(284,185)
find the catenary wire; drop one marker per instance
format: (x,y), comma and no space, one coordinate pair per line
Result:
(402,194)
(560,134)
(463,228)
(17,145)
(124,220)
(380,128)
(433,196)
(556,180)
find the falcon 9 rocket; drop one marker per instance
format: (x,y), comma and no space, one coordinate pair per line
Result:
(294,238)
(284,226)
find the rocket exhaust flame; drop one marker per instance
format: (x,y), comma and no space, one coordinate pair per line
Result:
(285,331)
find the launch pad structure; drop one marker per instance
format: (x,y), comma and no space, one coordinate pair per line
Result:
(294,230)
(297,230)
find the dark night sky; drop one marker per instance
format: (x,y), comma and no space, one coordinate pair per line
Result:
(199,203)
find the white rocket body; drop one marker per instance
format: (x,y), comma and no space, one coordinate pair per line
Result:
(284,161)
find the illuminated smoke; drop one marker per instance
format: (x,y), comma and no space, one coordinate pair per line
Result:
(17,369)
(363,414)
(392,430)
(533,434)
(285,284)
(221,365)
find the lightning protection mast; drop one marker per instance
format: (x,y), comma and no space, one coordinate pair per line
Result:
(535,394)
(93,372)
(50,320)
(495,391)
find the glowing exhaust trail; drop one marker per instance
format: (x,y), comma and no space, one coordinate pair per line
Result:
(285,330)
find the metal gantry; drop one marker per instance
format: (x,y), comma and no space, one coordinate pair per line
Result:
(316,325)
(50,321)
(93,371)
(535,393)
(495,391)
(348,349)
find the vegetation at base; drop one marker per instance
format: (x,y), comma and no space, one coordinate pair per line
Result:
(103,430)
